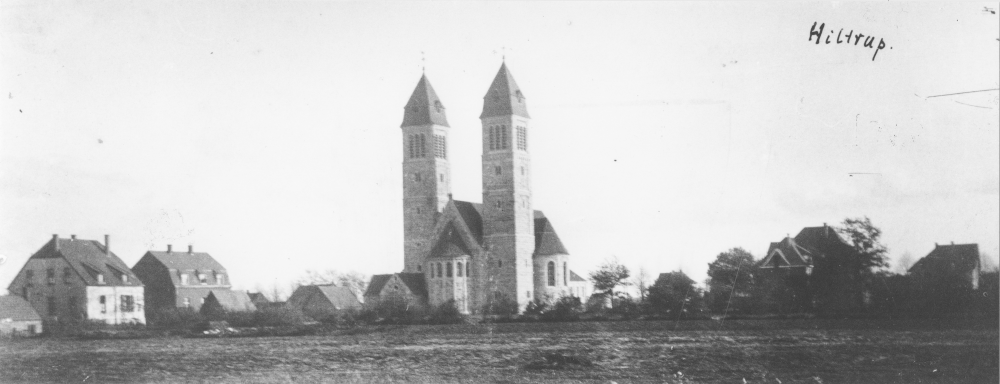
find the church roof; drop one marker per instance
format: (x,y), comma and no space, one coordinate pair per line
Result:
(414,281)
(546,240)
(504,96)
(424,106)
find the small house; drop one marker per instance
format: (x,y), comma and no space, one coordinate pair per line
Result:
(180,279)
(410,286)
(949,266)
(318,300)
(225,300)
(18,318)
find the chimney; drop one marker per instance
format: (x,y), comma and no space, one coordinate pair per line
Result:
(55,240)
(935,245)
(72,237)
(107,245)
(952,243)
(170,248)
(190,248)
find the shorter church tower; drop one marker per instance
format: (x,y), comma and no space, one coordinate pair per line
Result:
(426,172)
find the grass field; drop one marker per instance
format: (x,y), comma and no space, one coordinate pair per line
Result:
(759,351)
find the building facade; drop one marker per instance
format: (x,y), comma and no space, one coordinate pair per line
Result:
(180,279)
(471,253)
(75,279)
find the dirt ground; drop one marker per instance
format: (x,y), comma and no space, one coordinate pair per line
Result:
(758,351)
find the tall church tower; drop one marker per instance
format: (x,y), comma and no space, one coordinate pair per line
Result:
(426,172)
(508,222)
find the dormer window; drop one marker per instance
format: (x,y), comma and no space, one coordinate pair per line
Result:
(184,279)
(438,106)
(220,279)
(519,95)
(202,278)
(124,278)
(100,278)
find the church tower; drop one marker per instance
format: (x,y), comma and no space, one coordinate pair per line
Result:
(508,223)
(426,172)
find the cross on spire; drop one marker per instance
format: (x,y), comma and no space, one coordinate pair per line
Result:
(503,54)
(423,63)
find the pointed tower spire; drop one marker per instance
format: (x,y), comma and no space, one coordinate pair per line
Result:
(424,106)
(504,98)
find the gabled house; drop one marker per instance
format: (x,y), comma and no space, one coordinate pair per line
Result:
(225,300)
(180,279)
(813,269)
(76,279)
(17,317)
(579,287)
(319,300)
(409,286)
(949,266)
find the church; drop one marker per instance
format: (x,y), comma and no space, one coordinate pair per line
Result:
(475,253)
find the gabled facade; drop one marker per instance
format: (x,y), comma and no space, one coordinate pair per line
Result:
(76,279)
(411,287)
(180,279)
(949,266)
(18,318)
(226,300)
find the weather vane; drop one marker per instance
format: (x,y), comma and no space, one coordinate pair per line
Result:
(423,63)
(503,54)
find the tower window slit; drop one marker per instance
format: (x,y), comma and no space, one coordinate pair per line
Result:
(522,139)
(440,147)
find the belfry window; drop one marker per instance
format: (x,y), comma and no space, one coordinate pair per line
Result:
(448,269)
(440,147)
(417,145)
(498,137)
(439,270)
(552,274)
(522,138)
(458,269)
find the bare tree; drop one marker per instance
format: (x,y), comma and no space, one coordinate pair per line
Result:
(904,263)
(641,281)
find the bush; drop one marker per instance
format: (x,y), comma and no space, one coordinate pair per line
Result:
(446,313)
(175,318)
(501,307)
(567,308)
(392,310)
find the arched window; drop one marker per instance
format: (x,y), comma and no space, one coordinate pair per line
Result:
(458,269)
(467,270)
(565,274)
(447,269)
(413,146)
(552,274)
(440,270)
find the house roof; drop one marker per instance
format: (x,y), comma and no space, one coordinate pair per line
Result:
(504,96)
(424,106)
(231,300)
(787,253)
(949,259)
(376,283)
(340,297)
(17,309)
(89,259)
(258,297)
(546,240)
(414,282)
(188,262)
(802,250)
(574,277)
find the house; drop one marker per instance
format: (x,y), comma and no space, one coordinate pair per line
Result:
(180,279)
(579,287)
(319,300)
(258,298)
(17,317)
(76,279)
(226,300)
(813,270)
(410,286)
(949,267)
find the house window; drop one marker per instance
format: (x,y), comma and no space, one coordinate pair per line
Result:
(522,139)
(499,204)
(202,278)
(184,279)
(439,270)
(50,275)
(187,302)
(458,269)
(100,278)
(124,278)
(416,177)
(418,268)
(498,170)
(552,274)
(52,305)
(29,277)
(448,269)
(499,263)
(419,211)
(127,303)
(220,279)
(67,275)
(104,303)
(440,147)
(203,301)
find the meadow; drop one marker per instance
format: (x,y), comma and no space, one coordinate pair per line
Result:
(703,351)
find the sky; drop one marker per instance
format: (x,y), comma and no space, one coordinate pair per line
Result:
(662,133)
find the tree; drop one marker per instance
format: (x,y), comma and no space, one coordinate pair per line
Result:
(609,276)
(865,238)
(904,263)
(641,281)
(731,279)
(675,295)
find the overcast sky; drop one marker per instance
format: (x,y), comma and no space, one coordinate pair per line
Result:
(267,134)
